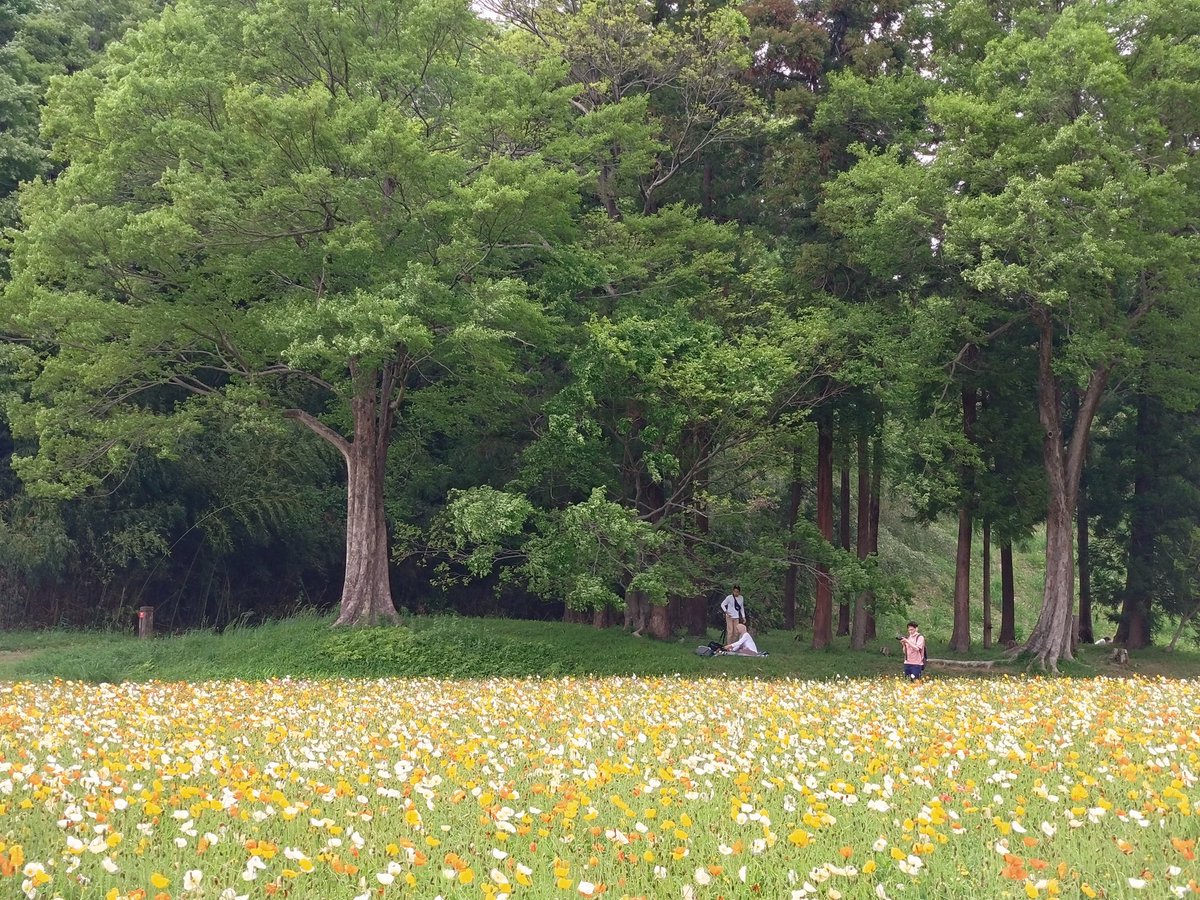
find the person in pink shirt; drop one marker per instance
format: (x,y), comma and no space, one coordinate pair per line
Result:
(914,652)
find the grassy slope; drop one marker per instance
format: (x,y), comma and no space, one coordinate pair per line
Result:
(926,556)
(467,648)
(473,648)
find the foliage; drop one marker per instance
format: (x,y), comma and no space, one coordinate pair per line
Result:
(1051,197)
(39,41)
(569,284)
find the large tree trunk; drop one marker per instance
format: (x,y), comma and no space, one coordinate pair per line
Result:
(1050,640)
(858,636)
(1051,637)
(1133,629)
(793,546)
(654,498)
(649,497)
(986,599)
(823,603)
(960,636)
(366,591)
(660,621)
(1008,596)
(637,612)
(843,626)
(1087,633)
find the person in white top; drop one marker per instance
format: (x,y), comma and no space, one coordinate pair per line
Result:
(734,607)
(744,644)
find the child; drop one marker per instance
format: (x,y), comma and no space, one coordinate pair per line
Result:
(914,652)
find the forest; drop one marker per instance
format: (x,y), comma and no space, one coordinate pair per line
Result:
(590,309)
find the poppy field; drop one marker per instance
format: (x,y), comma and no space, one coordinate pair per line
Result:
(617,787)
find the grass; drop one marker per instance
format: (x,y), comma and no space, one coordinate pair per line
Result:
(306,647)
(668,774)
(450,647)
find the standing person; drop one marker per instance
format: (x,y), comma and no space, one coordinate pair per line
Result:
(734,607)
(914,652)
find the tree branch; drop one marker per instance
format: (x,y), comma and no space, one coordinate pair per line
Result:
(319,428)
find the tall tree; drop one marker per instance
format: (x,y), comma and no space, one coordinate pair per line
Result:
(666,312)
(831,74)
(1060,188)
(292,206)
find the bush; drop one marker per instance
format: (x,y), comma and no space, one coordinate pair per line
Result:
(441,650)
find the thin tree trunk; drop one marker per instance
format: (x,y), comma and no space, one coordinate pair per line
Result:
(1087,633)
(648,497)
(1051,637)
(843,626)
(793,546)
(606,191)
(1008,597)
(960,636)
(1134,628)
(876,494)
(696,614)
(987,584)
(1183,622)
(858,635)
(706,190)
(823,602)
(660,614)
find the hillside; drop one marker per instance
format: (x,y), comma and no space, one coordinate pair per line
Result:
(452,647)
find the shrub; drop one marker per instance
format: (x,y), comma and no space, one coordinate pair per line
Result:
(440,650)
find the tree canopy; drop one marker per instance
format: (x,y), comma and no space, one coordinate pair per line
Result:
(588,302)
